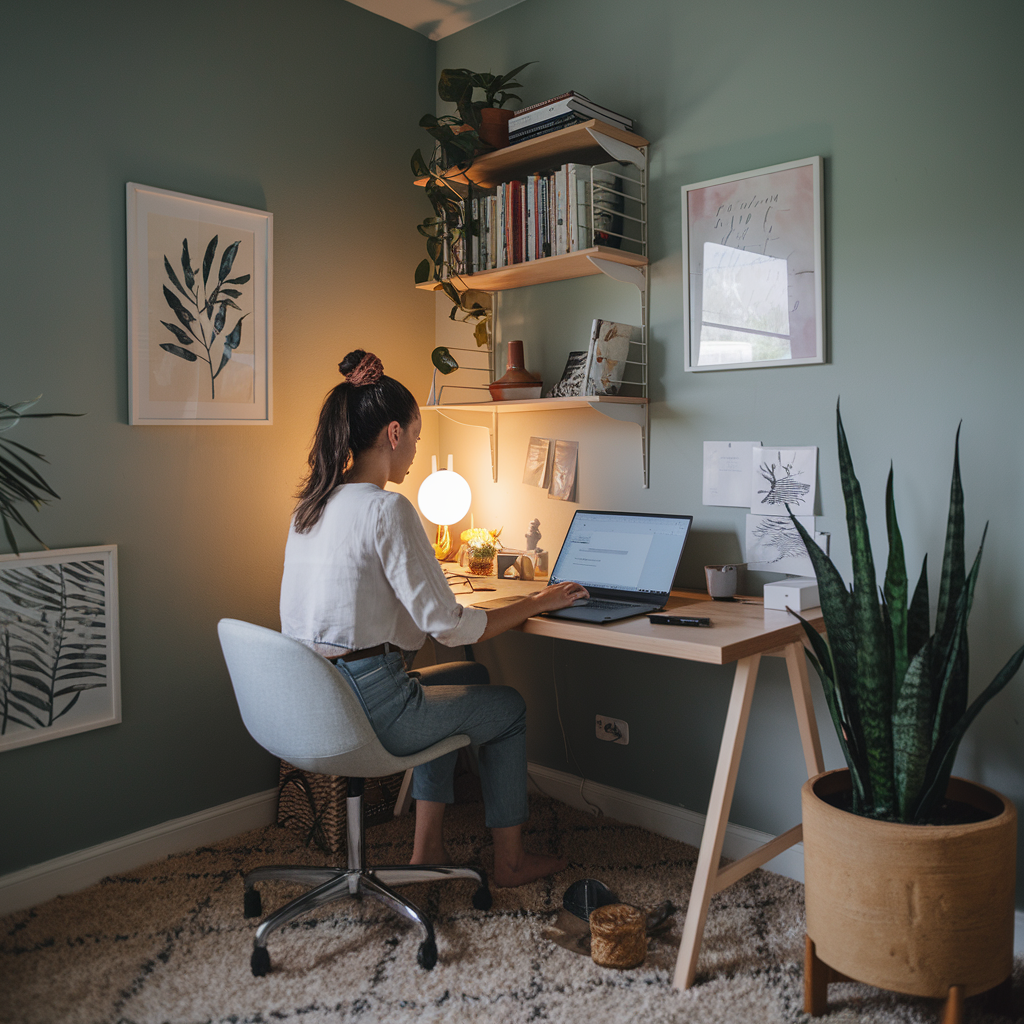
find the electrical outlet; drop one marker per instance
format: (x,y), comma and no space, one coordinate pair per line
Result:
(612,729)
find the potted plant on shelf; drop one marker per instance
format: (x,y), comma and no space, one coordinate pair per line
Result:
(487,116)
(909,873)
(457,139)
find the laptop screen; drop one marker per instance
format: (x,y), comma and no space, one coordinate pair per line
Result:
(633,551)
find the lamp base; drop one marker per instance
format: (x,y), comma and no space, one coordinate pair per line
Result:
(443,544)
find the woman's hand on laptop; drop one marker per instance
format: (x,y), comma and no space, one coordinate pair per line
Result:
(550,599)
(560,595)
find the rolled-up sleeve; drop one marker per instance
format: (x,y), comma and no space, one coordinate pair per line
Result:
(417,579)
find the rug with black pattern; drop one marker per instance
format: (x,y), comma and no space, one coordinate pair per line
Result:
(168,944)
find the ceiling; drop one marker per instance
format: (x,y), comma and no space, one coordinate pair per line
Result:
(435,18)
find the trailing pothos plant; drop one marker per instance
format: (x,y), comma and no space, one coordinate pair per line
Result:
(456,142)
(19,480)
(897,693)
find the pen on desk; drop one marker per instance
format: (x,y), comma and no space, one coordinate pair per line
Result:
(680,620)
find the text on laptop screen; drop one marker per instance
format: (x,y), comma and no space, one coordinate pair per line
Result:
(622,552)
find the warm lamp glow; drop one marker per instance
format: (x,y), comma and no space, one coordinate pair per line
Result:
(444,498)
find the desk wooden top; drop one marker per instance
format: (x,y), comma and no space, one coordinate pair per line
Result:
(737,629)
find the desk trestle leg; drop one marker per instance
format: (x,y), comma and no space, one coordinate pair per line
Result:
(707,878)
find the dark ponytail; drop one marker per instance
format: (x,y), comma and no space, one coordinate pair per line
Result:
(352,417)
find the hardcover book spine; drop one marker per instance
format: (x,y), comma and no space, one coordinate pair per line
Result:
(543,103)
(546,127)
(529,234)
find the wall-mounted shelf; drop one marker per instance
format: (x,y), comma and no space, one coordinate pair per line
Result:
(590,142)
(551,268)
(575,143)
(487,414)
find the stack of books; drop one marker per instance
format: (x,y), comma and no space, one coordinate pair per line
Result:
(560,112)
(547,214)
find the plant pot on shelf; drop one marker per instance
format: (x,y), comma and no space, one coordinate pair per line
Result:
(518,382)
(916,909)
(494,126)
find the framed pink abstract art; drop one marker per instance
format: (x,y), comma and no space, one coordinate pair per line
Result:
(753,274)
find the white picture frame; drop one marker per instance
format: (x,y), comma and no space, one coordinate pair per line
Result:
(753,269)
(60,668)
(200,312)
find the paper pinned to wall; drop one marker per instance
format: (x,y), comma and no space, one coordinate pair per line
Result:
(783,476)
(727,472)
(774,545)
(563,471)
(537,469)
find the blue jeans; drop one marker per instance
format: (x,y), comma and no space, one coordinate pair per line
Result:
(409,714)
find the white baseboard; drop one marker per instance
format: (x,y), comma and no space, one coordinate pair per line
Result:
(664,819)
(74,871)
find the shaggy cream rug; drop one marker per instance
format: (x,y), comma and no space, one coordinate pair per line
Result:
(167,944)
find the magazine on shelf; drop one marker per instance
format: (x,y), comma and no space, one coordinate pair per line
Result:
(607,356)
(554,124)
(573,377)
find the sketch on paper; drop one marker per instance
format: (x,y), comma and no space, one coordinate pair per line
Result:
(774,545)
(199,306)
(58,658)
(781,477)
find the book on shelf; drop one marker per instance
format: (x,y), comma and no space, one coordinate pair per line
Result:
(555,124)
(550,213)
(559,104)
(573,377)
(607,356)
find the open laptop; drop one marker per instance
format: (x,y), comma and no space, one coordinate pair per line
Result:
(626,560)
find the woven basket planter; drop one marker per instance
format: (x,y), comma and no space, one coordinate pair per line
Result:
(314,805)
(916,909)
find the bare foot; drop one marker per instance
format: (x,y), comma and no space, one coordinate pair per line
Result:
(527,867)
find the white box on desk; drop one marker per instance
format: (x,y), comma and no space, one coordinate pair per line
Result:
(798,593)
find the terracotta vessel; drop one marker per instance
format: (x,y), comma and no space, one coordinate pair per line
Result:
(494,126)
(518,382)
(926,910)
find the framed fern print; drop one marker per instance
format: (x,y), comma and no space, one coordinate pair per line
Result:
(199,310)
(59,649)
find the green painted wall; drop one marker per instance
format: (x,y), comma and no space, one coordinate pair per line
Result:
(916,108)
(305,109)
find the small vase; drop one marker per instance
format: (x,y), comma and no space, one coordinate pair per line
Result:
(518,382)
(494,126)
(481,565)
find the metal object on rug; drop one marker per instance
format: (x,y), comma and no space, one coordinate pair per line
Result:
(314,805)
(618,936)
(582,898)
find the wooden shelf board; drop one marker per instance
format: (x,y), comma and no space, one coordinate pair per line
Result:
(552,268)
(537,404)
(573,143)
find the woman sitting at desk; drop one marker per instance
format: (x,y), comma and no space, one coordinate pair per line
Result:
(361,584)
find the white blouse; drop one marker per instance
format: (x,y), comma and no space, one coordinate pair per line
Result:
(366,574)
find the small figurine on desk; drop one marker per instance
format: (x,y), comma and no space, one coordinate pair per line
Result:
(537,554)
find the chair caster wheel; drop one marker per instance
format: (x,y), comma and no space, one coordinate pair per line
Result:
(426,956)
(260,961)
(482,898)
(252,904)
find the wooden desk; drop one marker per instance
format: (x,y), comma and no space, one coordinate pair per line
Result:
(740,633)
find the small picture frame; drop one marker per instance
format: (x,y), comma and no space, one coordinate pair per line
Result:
(753,272)
(59,648)
(200,289)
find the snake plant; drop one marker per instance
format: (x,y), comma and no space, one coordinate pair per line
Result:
(897,693)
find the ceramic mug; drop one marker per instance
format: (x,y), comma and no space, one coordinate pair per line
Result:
(721,581)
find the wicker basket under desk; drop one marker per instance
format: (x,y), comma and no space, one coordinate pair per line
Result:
(314,805)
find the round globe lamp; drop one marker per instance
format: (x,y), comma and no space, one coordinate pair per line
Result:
(444,498)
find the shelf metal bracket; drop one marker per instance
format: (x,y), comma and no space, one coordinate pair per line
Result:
(622,272)
(638,414)
(620,151)
(485,420)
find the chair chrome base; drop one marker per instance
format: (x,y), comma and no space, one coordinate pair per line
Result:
(331,884)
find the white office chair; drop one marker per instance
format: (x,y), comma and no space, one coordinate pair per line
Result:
(303,709)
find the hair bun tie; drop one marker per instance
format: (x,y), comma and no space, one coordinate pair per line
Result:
(368,370)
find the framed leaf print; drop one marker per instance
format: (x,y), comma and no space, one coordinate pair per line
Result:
(59,649)
(199,310)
